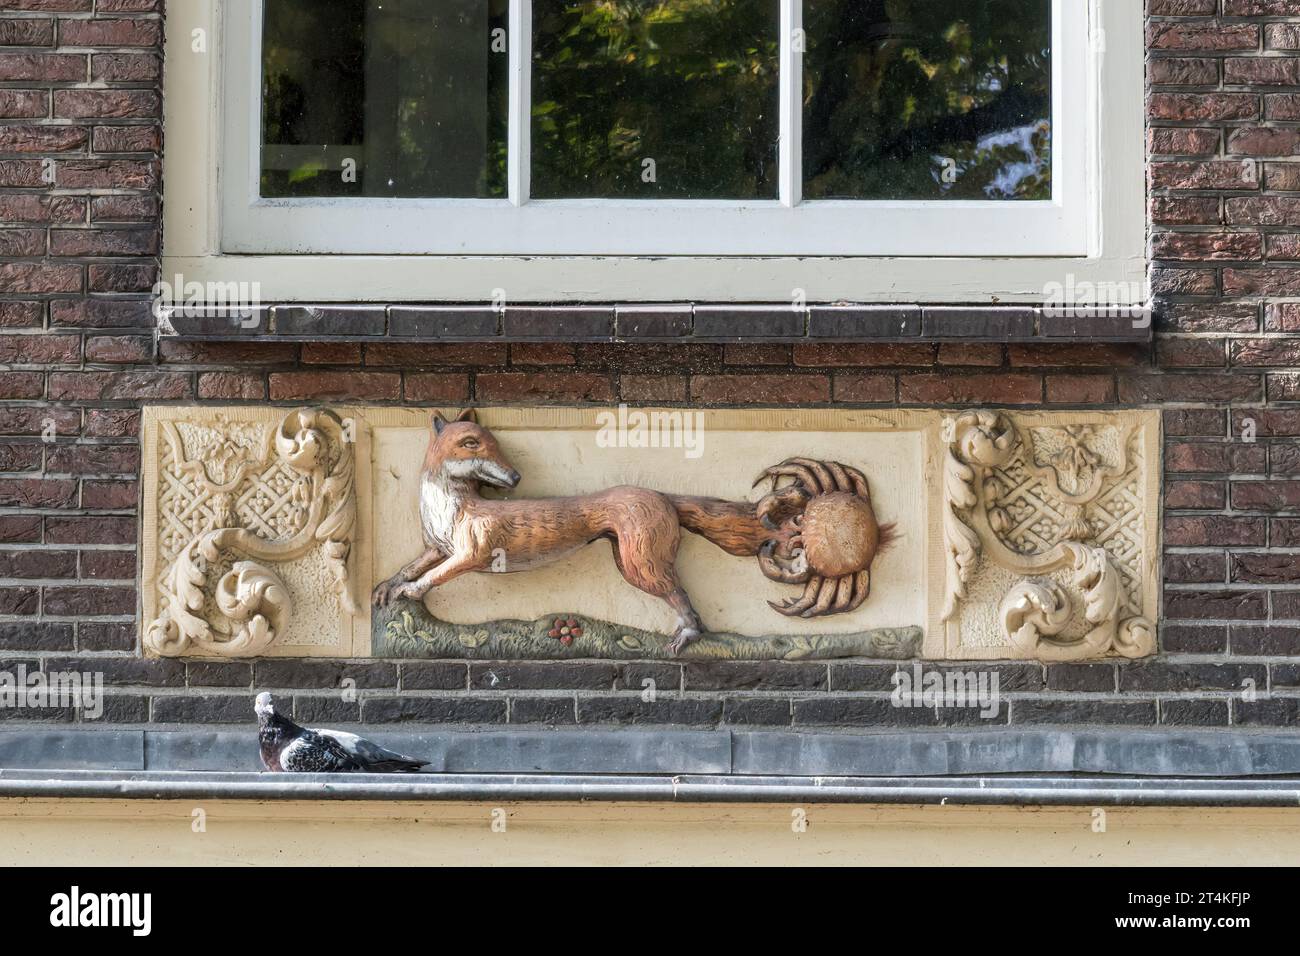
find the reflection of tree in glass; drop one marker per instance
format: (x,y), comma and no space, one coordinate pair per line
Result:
(412,92)
(312,89)
(927,99)
(911,99)
(689,84)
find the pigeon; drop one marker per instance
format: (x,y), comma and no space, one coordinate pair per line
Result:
(286,747)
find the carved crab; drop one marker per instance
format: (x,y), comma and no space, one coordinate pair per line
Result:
(828,535)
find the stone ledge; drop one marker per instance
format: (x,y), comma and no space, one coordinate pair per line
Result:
(692,788)
(775,323)
(734,754)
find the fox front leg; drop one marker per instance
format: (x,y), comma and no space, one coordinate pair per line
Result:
(384,591)
(453,567)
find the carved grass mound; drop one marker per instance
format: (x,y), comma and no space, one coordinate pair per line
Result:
(406,629)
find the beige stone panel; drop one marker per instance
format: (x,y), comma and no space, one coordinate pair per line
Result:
(557,459)
(1099,469)
(206,468)
(79,833)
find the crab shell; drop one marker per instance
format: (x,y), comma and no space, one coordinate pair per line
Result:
(840,534)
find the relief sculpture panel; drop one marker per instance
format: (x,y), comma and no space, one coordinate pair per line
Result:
(633,533)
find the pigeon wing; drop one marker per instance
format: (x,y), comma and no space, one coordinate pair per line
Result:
(311,752)
(370,755)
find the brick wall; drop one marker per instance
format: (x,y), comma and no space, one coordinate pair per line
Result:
(79,85)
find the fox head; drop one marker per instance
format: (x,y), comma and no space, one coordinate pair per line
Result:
(465,450)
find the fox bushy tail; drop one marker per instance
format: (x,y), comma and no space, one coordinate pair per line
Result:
(733,526)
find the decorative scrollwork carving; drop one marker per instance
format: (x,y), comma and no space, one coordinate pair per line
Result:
(977,441)
(271,506)
(253,597)
(1057,506)
(1034,611)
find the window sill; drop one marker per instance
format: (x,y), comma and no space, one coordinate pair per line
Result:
(655,323)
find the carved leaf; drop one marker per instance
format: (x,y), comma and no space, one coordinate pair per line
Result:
(474,638)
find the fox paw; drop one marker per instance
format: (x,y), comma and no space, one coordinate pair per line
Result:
(386,592)
(406,592)
(681,639)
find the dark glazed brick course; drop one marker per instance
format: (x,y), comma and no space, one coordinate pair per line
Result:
(630,709)
(626,322)
(653,322)
(434,710)
(740,711)
(562,323)
(524,675)
(434,675)
(757,675)
(553,711)
(436,322)
(1194,713)
(1002,325)
(732,322)
(289,672)
(1081,711)
(863,322)
(325,710)
(322,320)
(865,712)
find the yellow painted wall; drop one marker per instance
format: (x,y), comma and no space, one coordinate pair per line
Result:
(110,832)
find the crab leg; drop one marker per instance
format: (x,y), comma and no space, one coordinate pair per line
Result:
(842,482)
(819,469)
(788,469)
(775,569)
(861,588)
(782,503)
(824,598)
(859,483)
(843,594)
(794,608)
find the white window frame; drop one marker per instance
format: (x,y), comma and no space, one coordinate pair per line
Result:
(219,229)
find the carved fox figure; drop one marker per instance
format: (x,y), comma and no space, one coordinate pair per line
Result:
(463,531)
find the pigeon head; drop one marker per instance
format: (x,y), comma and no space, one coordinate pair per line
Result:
(264,707)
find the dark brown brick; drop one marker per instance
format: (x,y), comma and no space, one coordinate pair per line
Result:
(1179,35)
(110,32)
(1014,388)
(1196,494)
(314,386)
(1224,605)
(760,389)
(555,387)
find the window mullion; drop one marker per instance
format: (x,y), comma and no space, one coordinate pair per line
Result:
(519,128)
(791,87)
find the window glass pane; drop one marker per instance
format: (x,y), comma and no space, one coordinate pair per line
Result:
(384,98)
(645,99)
(927,99)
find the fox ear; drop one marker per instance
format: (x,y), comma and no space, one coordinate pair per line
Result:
(468,415)
(439,423)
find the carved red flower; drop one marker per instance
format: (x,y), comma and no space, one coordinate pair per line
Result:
(565,630)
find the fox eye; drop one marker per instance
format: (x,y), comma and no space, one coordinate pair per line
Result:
(469,443)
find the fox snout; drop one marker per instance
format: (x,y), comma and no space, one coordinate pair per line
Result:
(494,474)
